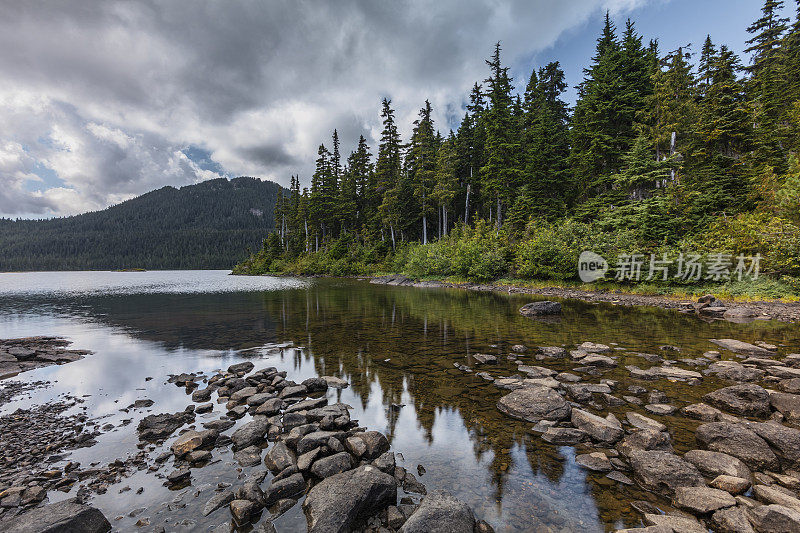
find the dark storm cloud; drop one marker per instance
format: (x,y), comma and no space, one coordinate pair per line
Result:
(109,95)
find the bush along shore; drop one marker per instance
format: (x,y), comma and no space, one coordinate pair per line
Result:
(739,469)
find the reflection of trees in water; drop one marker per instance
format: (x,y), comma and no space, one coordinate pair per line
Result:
(396,340)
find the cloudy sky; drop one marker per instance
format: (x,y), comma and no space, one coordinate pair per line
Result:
(101,100)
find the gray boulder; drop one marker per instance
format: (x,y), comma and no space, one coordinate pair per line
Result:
(337,503)
(67,516)
(376,444)
(732,520)
(250,433)
(440,512)
(241,368)
(785,441)
(534,403)
(714,464)
(598,428)
(664,472)
(544,307)
(774,519)
(332,465)
(702,500)
(279,457)
(284,488)
(739,441)
(746,399)
(787,404)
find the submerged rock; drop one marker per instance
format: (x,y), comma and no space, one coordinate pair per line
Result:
(737,346)
(440,512)
(534,403)
(541,308)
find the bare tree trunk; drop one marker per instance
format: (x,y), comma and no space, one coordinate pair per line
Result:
(671,153)
(391,228)
(305,223)
(424,229)
(466,204)
(444,226)
(498,212)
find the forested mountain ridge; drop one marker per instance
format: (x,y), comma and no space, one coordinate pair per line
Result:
(211,224)
(665,153)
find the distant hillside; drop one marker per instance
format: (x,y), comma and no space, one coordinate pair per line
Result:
(208,225)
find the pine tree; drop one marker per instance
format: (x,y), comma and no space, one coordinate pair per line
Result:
(501,173)
(708,55)
(421,164)
(766,85)
(671,106)
(387,171)
(446,187)
(767,32)
(547,186)
(715,170)
(595,150)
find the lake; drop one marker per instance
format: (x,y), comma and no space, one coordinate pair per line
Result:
(395,345)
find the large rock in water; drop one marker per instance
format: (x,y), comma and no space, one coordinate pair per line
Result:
(155,427)
(738,441)
(598,428)
(67,516)
(774,518)
(715,464)
(440,512)
(542,308)
(664,472)
(785,441)
(746,399)
(250,433)
(337,503)
(737,346)
(534,403)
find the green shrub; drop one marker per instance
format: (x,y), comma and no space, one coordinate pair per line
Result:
(551,251)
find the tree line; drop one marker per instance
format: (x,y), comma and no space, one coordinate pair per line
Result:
(666,142)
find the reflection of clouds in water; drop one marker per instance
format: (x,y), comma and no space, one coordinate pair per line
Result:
(70,284)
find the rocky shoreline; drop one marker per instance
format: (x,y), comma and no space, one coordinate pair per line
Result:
(742,471)
(731,311)
(726,458)
(348,476)
(28,353)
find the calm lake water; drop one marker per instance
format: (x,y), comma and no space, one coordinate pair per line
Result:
(393,344)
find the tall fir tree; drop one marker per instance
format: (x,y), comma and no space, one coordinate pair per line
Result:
(387,172)
(421,164)
(501,173)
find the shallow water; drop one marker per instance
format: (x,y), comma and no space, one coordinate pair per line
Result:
(394,344)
